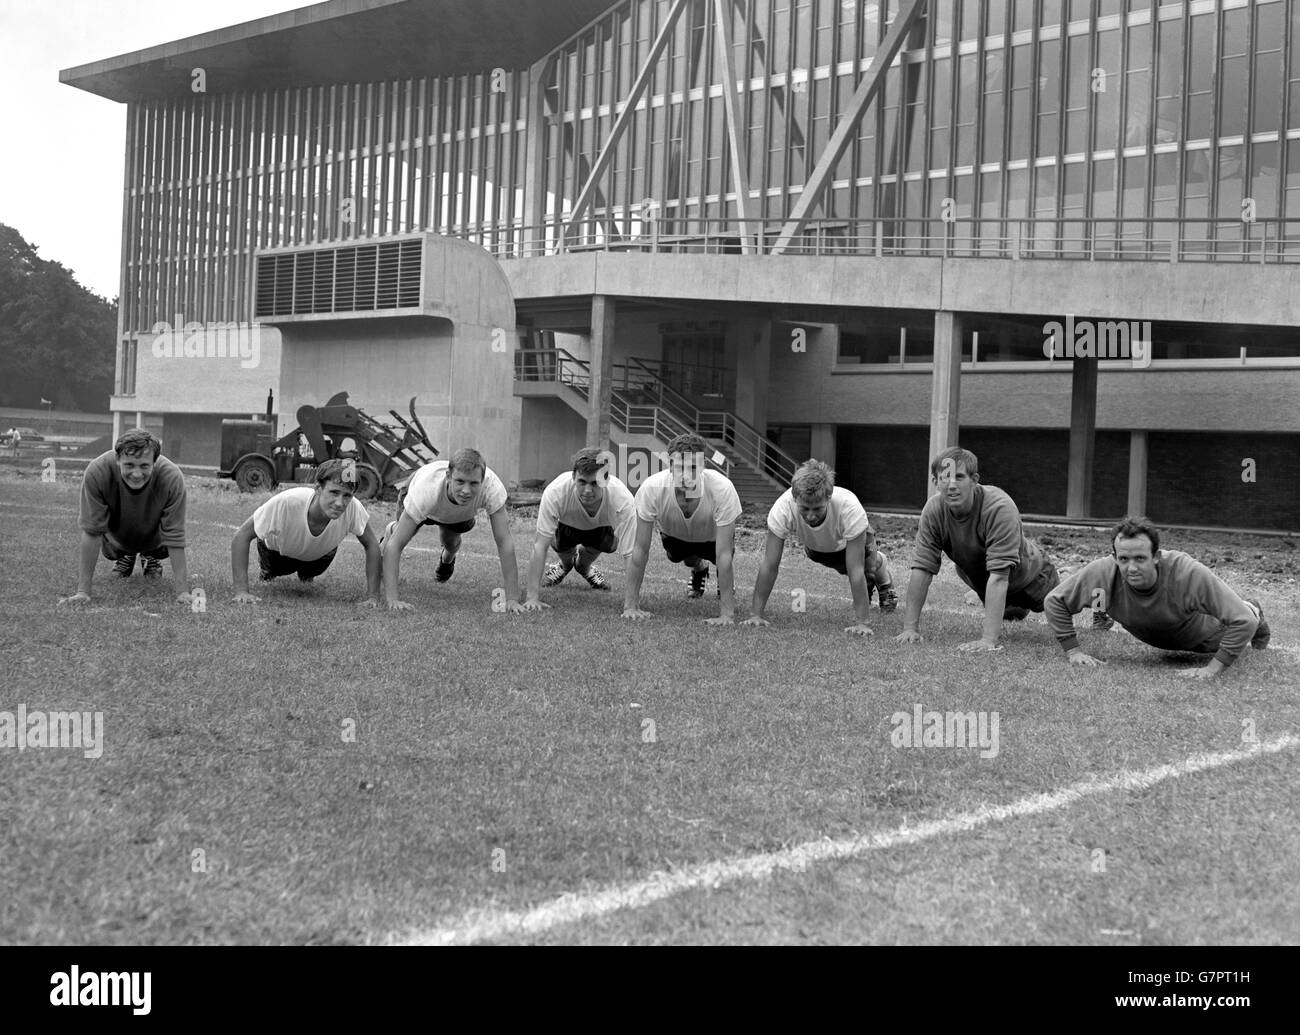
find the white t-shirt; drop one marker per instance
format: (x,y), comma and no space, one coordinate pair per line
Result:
(281,523)
(426,496)
(719,505)
(845,519)
(560,506)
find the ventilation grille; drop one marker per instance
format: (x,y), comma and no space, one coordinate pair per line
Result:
(358,279)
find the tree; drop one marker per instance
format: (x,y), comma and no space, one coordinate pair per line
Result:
(57,339)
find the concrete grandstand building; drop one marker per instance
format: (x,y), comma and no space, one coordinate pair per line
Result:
(1064,233)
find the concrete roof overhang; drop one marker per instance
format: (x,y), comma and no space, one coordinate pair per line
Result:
(344,41)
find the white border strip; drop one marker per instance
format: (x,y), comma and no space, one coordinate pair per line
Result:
(486,925)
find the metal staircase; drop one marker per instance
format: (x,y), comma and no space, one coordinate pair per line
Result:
(642,404)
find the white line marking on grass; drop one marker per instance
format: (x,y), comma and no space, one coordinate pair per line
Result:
(489,924)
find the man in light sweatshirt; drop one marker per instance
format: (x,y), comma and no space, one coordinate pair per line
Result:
(1163,597)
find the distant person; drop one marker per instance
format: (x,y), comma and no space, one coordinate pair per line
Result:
(298,532)
(15,441)
(448,494)
(583,513)
(695,509)
(132,505)
(1163,597)
(835,532)
(978,527)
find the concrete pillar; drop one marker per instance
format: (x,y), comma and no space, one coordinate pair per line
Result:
(823,443)
(534,157)
(1083,437)
(602,370)
(139,418)
(1137,472)
(117,425)
(945,393)
(753,370)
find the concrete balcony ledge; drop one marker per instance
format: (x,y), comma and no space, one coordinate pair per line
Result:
(1219,292)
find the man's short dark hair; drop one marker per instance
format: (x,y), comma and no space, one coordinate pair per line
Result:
(136,442)
(690,444)
(1134,527)
(590,461)
(333,471)
(959,457)
(467,460)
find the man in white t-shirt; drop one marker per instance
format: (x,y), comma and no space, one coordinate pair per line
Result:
(298,531)
(449,495)
(835,532)
(584,512)
(696,511)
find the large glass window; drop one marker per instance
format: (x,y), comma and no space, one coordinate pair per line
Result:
(1169,81)
(1267,97)
(994,107)
(1199,88)
(1106,81)
(1234,72)
(1137,102)
(1021,116)
(1078,87)
(1049,97)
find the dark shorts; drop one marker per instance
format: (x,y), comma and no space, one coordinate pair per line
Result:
(1030,596)
(836,560)
(275,564)
(115,551)
(459,527)
(599,539)
(679,549)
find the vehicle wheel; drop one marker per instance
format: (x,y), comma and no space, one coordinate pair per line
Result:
(368,482)
(255,475)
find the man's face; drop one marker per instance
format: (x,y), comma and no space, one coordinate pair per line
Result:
(332,498)
(812,508)
(686,468)
(1136,563)
(136,470)
(463,485)
(957,487)
(590,487)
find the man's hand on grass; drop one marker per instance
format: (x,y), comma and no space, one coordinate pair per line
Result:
(514,607)
(756,620)
(721,620)
(1198,673)
(184,598)
(635,614)
(1078,657)
(535,605)
(909,636)
(979,647)
(245,598)
(370,602)
(861,629)
(400,605)
(75,600)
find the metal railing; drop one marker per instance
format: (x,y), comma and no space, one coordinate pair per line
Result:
(642,404)
(1260,241)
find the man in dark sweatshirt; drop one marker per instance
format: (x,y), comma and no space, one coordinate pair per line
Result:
(1163,597)
(132,506)
(978,527)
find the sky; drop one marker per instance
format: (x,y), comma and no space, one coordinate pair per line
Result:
(61,160)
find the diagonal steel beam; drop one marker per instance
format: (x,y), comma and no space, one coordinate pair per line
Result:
(626,115)
(732,108)
(866,92)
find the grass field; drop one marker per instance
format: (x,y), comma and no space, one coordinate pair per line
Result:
(500,761)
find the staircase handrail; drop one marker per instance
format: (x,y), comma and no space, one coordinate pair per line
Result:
(759,451)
